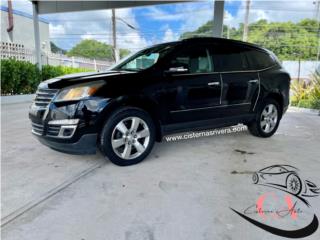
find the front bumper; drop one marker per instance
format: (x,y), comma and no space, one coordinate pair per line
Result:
(70,127)
(85,145)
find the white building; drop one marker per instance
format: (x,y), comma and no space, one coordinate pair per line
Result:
(22,34)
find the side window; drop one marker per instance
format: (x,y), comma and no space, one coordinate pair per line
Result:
(196,60)
(259,60)
(229,58)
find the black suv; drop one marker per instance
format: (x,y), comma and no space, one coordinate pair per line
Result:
(192,84)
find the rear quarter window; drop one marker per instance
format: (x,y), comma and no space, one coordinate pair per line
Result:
(259,59)
(229,58)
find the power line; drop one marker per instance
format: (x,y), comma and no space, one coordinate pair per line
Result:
(178,13)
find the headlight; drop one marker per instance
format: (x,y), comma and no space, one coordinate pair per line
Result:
(79,91)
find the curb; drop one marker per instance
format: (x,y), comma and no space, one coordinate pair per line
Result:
(17,99)
(305,110)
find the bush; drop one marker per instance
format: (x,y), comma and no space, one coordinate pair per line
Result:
(51,72)
(19,77)
(307,95)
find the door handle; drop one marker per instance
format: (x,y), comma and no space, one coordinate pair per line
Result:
(213,83)
(253,81)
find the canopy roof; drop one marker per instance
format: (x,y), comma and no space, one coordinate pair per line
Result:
(54,6)
(47,7)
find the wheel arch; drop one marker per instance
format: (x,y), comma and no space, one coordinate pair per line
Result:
(144,103)
(275,96)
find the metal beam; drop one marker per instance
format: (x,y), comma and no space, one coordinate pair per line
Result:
(218,18)
(36,34)
(46,7)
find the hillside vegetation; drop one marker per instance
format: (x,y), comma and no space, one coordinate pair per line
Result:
(288,40)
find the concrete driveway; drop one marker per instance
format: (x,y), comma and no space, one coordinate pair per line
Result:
(183,190)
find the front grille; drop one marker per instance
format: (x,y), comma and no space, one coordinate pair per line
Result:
(44,96)
(37,128)
(53,130)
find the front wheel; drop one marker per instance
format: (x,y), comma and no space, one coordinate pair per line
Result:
(293,183)
(267,119)
(127,136)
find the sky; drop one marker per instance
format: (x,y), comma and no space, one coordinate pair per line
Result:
(161,23)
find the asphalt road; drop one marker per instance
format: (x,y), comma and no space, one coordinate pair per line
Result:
(184,190)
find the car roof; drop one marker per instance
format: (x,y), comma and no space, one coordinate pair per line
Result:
(210,40)
(222,40)
(286,167)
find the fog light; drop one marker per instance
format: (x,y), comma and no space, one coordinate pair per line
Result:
(67,131)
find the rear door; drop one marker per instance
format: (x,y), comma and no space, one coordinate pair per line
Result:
(240,84)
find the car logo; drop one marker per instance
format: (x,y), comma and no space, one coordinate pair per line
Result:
(288,202)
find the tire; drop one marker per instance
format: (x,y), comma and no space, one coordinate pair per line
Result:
(258,127)
(128,136)
(294,184)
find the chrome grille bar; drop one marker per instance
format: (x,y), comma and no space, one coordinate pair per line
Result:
(44,96)
(37,128)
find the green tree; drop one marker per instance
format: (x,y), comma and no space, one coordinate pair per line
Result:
(124,53)
(56,49)
(90,48)
(289,41)
(94,49)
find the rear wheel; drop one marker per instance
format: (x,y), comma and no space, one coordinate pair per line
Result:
(127,136)
(267,119)
(255,178)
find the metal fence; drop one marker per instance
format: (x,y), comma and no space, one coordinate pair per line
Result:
(16,51)
(19,52)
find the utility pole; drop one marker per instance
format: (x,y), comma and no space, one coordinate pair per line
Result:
(317,19)
(114,36)
(317,3)
(227,25)
(246,22)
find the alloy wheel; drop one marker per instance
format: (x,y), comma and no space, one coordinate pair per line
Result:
(130,138)
(269,118)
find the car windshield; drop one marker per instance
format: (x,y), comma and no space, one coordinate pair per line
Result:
(275,169)
(145,58)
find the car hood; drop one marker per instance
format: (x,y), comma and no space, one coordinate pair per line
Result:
(78,78)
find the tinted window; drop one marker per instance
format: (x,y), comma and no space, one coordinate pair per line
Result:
(196,60)
(142,62)
(229,58)
(145,58)
(259,59)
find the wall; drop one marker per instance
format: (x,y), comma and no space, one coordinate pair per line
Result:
(23,31)
(306,68)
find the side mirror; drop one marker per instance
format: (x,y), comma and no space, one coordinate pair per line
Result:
(177,70)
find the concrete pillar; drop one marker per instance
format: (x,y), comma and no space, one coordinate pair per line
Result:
(36,34)
(218,18)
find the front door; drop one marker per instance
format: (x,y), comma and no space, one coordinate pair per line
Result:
(190,75)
